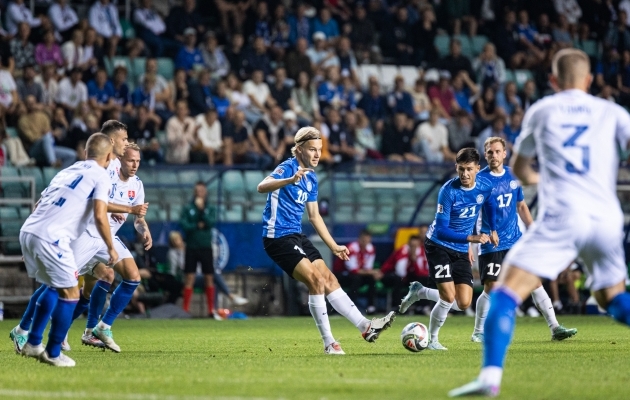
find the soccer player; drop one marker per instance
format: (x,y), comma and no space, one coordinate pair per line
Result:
(576,138)
(127,190)
(510,205)
(74,196)
(291,188)
(459,202)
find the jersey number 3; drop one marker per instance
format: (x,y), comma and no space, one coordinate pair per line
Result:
(578,130)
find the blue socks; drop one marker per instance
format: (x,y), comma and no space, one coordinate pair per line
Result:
(27,318)
(81,306)
(121,297)
(45,305)
(97,302)
(61,321)
(499,327)
(619,308)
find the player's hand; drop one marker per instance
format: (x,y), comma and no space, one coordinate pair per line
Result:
(301,172)
(113,256)
(140,210)
(494,238)
(119,218)
(482,239)
(341,252)
(471,255)
(147,240)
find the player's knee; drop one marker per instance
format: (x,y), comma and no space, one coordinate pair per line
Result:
(316,282)
(448,297)
(108,276)
(463,304)
(488,286)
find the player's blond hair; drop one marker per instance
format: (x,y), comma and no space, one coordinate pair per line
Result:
(569,66)
(494,139)
(98,145)
(304,135)
(133,146)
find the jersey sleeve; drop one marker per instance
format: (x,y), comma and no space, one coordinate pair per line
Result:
(140,194)
(623,128)
(313,194)
(101,189)
(525,144)
(519,194)
(282,171)
(445,203)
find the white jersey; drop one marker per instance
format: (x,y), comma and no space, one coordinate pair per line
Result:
(576,137)
(67,204)
(128,193)
(112,172)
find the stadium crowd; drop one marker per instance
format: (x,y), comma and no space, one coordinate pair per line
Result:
(248,73)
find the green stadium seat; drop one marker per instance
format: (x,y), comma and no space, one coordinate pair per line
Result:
(166,68)
(11,132)
(404,214)
(590,47)
(365,213)
(9,213)
(509,76)
(252,179)
(441,43)
(49,173)
(188,177)
(344,214)
(10,189)
(36,173)
(111,64)
(167,177)
(521,76)
(385,214)
(467,48)
(234,187)
(234,214)
(477,43)
(129,32)
(24,212)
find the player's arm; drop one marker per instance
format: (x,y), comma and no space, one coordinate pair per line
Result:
(102,225)
(525,151)
(271,183)
(140,209)
(320,227)
(490,211)
(522,168)
(443,230)
(143,229)
(523,212)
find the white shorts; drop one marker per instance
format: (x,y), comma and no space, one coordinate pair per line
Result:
(48,263)
(89,251)
(551,245)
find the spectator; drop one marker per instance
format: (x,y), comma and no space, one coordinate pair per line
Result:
(258,92)
(458,11)
(299,25)
(72,92)
(176,254)
(93,54)
(256,58)
(545,33)
(27,86)
(23,51)
(83,125)
(103,17)
(486,108)
(507,40)
(398,44)
(152,30)
(298,61)
(236,11)
(330,91)
(431,141)
(269,131)
(455,61)
(531,54)
(321,58)
(304,100)
(142,130)
(180,135)
(189,57)
(48,82)
(145,95)
(366,143)
(340,141)
(346,60)
(259,25)
(72,52)
(63,18)
(238,99)
(18,12)
(348,94)
(618,36)
(326,25)
(442,96)
(424,32)
(359,270)
(362,35)
(623,79)
(240,145)
(37,136)
(489,68)
(236,55)
(214,58)
(101,94)
(374,105)
(210,135)
(197,220)
(495,129)
(48,52)
(290,128)
(528,94)
(121,95)
(397,138)
(561,33)
(406,265)
(221,101)
(464,89)
(421,101)
(508,100)
(513,129)
(280,90)
(184,17)
(178,88)
(161,89)
(568,9)
(200,99)
(400,101)
(459,132)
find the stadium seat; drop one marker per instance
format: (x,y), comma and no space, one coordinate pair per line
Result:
(477,43)
(344,214)
(441,43)
(467,48)
(387,76)
(234,187)
(509,76)
(111,64)
(188,177)
(129,32)
(9,213)
(521,76)
(409,74)
(365,71)
(255,213)
(49,173)
(11,132)
(404,214)
(252,179)
(152,195)
(10,189)
(167,176)
(234,214)
(166,68)
(36,173)
(366,213)
(385,214)
(590,47)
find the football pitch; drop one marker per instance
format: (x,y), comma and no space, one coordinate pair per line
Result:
(282,358)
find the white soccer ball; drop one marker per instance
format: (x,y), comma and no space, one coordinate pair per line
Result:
(415,337)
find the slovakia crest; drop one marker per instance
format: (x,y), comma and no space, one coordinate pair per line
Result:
(131,194)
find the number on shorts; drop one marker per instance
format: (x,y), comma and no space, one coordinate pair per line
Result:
(494,269)
(443,271)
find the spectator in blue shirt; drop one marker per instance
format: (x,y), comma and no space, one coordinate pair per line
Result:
(400,101)
(300,25)
(508,100)
(330,92)
(101,93)
(464,89)
(145,95)
(257,58)
(221,101)
(121,90)
(513,129)
(374,105)
(189,57)
(260,25)
(326,24)
(200,99)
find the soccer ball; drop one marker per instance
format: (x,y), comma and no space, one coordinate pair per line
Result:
(415,337)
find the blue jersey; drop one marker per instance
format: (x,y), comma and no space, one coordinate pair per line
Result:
(285,206)
(458,208)
(507,193)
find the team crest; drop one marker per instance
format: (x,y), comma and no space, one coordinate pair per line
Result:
(480,199)
(513,184)
(309,186)
(131,194)
(279,171)
(440,209)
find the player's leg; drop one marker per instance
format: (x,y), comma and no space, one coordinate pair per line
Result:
(545,306)
(417,291)
(207,268)
(489,269)
(61,320)
(440,312)
(190,270)
(19,334)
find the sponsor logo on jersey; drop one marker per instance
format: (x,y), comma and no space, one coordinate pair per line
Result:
(480,199)
(440,209)
(279,171)
(131,194)
(513,184)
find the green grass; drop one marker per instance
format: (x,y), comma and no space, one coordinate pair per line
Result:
(283,358)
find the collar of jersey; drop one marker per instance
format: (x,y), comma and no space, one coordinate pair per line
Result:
(465,189)
(495,174)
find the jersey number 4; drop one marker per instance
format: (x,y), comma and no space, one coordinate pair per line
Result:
(578,130)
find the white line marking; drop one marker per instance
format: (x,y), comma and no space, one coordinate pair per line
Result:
(31,394)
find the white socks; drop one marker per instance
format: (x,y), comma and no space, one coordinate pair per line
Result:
(344,306)
(545,306)
(483,305)
(429,294)
(491,376)
(317,305)
(438,316)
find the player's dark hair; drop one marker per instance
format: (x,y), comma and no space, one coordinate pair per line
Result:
(467,155)
(112,126)
(365,232)
(200,183)
(414,237)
